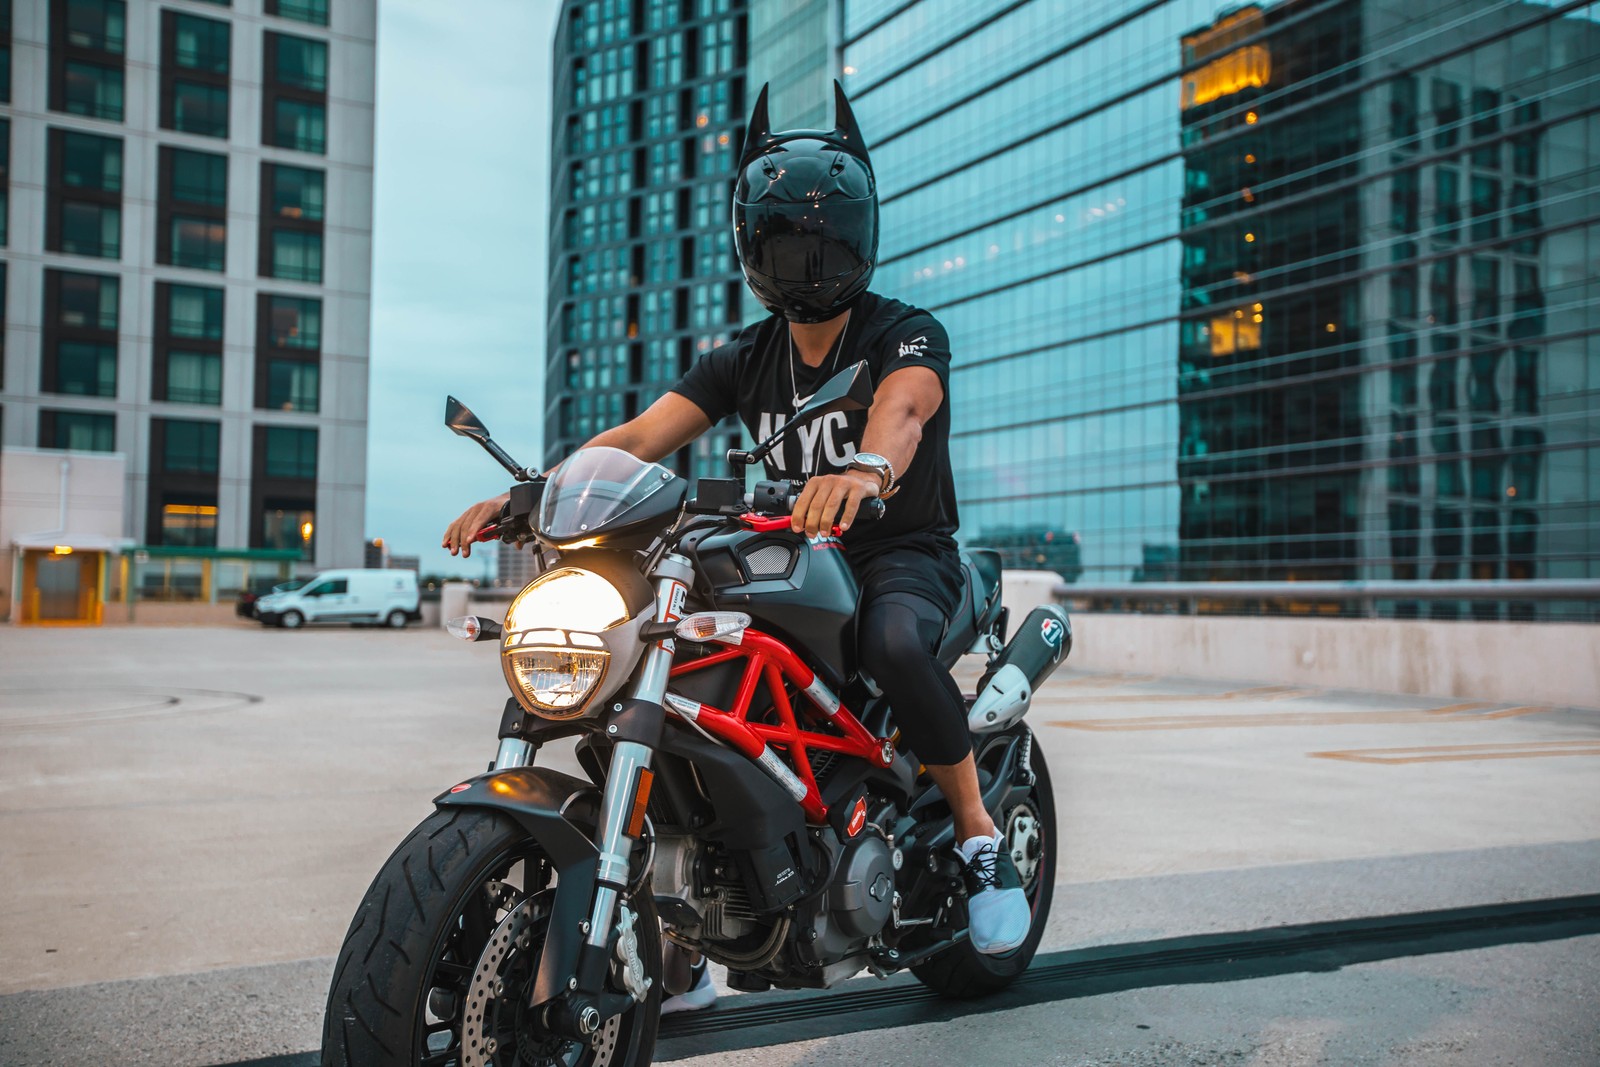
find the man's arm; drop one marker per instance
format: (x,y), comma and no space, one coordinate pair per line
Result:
(906,399)
(656,433)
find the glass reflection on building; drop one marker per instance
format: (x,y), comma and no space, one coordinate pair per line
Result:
(1365,229)
(649,105)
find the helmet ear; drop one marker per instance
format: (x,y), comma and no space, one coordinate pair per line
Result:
(844,123)
(758,132)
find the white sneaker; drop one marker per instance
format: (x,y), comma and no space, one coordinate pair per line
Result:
(699,996)
(998,915)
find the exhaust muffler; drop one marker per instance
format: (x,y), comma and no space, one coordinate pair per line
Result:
(1040,645)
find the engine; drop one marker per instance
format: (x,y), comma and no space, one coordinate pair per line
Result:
(704,901)
(712,903)
(858,904)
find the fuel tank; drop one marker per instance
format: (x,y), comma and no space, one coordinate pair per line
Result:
(798,589)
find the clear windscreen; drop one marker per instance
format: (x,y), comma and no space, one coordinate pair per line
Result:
(592,487)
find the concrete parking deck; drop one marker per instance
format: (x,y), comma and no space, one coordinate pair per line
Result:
(1251,873)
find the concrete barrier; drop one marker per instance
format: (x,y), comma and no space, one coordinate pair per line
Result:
(1528,663)
(453,600)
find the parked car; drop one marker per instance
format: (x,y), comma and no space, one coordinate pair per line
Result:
(388,597)
(260,587)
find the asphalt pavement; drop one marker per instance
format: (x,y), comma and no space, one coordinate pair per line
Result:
(1250,873)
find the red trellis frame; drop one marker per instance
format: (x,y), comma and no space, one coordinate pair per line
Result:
(768,658)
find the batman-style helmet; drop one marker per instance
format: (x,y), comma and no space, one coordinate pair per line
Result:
(805,215)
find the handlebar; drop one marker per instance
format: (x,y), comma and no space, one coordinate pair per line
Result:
(778,497)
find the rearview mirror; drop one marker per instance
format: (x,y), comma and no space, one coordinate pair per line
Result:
(462,421)
(849,390)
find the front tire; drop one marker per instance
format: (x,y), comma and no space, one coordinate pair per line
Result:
(292,620)
(963,972)
(407,984)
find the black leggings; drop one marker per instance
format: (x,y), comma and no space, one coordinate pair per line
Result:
(899,646)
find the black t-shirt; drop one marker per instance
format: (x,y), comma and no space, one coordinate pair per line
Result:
(755,377)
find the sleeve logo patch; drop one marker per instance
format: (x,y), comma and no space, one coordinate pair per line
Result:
(917,346)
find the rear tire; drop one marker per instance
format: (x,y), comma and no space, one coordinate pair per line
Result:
(396,620)
(963,972)
(421,932)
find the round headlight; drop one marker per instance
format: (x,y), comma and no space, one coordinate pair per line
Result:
(552,657)
(555,682)
(567,598)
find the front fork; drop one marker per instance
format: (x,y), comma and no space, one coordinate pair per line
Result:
(634,725)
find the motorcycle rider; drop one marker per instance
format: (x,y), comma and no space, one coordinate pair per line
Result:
(805,216)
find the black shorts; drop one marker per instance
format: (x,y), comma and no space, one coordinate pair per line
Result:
(932,571)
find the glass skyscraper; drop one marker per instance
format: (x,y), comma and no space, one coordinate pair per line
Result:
(649,112)
(1283,291)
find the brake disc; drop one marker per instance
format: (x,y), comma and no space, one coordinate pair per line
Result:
(1023,839)
(491,997)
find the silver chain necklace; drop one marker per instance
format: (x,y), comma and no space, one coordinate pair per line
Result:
(839,347)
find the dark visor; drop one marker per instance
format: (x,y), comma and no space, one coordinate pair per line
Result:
(805,243)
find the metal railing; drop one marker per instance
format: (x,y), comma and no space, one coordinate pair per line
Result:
(1476,599)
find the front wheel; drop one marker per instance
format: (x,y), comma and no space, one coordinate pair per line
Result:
(1029,828)
(438,962)
(292,620)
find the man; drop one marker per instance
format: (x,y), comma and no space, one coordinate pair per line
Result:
(805,217)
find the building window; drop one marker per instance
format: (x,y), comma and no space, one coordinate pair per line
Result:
(78,431)
(291,452)
(98,25)
(287,524)
(93,90)
(189,447)
(85,187)
(84,368)
(200,44)
(294,322)
(291,222)
(87,41)
(292,384)
(5,51)
(195,61)
(5,178)
(193,228)
(184,461)
(313,11)
(301,62)
(299,125)
(194,311)
(295,93)
(187,366)
(297,193)
(296,256)
(288,361)
(194,377)
(80,335)
(198,108)
(191,525)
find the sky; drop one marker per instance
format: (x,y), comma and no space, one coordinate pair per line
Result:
(461,198)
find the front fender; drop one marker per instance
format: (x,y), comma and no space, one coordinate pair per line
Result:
(540,801)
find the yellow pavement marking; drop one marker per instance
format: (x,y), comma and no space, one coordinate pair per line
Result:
(1452,753)
(1449,713)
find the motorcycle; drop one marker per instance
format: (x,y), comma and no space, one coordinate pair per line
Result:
(746,795)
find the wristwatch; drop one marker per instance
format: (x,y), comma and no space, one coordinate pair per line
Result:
(876,464)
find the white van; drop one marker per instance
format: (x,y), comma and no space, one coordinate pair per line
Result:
(354,596)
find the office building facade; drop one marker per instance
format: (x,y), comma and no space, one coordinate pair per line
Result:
(1290,291)
(187,262)
(649,108)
